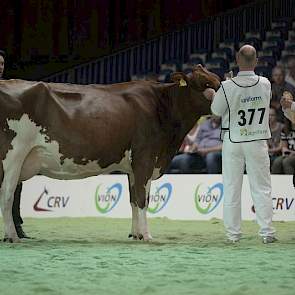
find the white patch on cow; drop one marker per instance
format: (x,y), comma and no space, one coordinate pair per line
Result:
(147,188)
(131,178)
(142,218)
(130,156)
(143,225)
(156,173)
(29,136)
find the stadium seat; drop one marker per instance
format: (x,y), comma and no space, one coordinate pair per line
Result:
(187,67)
(289,44)
(291,35)
(218,71)
(219,54)
(264,71)
(270,60)
(217,62)
(277,25)
(196,61)
(228,51)
(164,78)
(137,77)
(275,33)
(265,52)
(229,46)
(279,40)
(168,66)
(273,46)
(287,53)
(202,56)
(256,35)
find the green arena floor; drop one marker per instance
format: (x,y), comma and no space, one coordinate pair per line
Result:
(94,256)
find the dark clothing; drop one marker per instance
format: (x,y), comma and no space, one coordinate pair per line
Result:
(16,206)
(277,90)
(285,164)
(277,93)
(289,138)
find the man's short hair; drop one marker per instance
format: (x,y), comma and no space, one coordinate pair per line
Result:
(248,58)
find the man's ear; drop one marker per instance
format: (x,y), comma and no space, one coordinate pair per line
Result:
(180,78)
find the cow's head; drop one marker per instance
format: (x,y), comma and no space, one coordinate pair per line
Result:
(199,80)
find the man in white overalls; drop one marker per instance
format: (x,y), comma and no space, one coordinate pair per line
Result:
(243,103)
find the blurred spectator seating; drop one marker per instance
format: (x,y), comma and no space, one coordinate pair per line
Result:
(274,146)
(201,55)
(201,150)
(285,164)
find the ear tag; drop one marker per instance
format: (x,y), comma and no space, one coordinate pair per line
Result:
(182,83)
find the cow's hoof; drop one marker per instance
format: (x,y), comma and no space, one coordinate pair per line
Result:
(147,238)
(11,240)
(133,236)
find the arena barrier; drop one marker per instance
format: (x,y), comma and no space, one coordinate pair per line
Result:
(191,197)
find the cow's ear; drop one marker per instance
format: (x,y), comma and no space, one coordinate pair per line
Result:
(180,78)
(198,67)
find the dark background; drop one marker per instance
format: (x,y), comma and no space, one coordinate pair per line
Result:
(77,30)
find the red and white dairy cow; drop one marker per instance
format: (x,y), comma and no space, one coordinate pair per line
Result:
(69,131)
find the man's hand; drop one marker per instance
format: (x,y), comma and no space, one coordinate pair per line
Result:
(209,93)
(203,151)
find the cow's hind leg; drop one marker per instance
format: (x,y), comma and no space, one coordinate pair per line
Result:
(6,200)
(12,166)
(135,226)
(143,204)
(142,189)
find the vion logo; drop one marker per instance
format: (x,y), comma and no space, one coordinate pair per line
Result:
(47,203)
(107,199)
(160,198)
(208,198)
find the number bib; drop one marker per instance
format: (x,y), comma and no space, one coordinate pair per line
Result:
(248,109)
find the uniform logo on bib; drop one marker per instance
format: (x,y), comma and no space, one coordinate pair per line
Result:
(251,99)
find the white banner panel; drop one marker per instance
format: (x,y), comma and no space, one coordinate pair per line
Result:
(192,197)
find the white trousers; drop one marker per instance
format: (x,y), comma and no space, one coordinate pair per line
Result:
(234,158)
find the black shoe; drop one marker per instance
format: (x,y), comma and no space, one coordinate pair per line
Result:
(21,234)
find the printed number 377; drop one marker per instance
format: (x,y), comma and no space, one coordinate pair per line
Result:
(243,120)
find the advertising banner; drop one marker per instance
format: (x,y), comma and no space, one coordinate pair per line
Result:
(186,197)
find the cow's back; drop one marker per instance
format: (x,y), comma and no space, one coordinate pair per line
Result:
(80,125)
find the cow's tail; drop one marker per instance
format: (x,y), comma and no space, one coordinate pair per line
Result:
(1,173)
